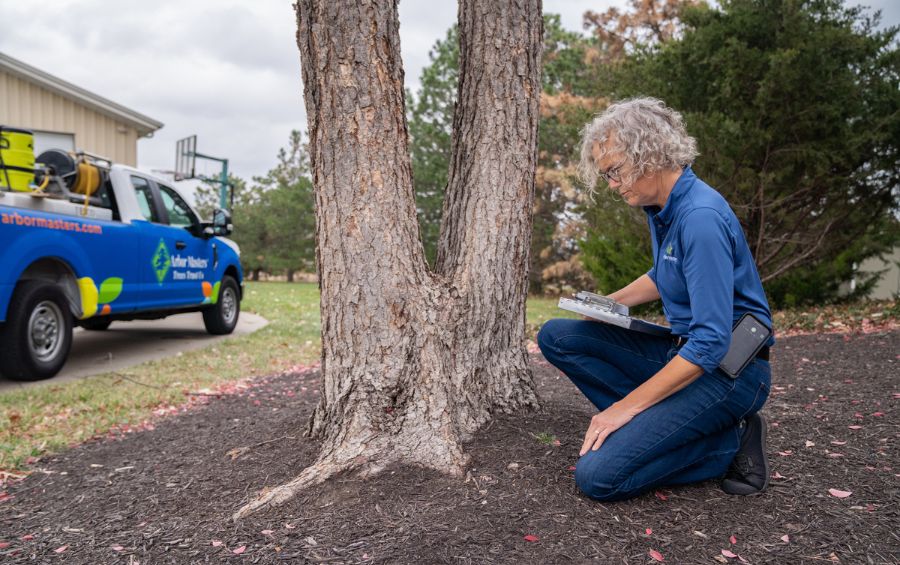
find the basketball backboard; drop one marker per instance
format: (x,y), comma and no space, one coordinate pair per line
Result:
(186,157)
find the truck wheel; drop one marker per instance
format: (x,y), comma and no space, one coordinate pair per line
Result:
(223,316)
(37,335)
(95,324)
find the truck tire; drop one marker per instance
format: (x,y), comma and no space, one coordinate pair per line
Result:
(37,335)
(95,324)
(222,317)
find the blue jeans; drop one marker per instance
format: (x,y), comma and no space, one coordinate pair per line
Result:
(690,436)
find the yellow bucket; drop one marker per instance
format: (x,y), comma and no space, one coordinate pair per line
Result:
(16,159)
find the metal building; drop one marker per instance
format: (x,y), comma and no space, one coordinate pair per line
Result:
(65,116)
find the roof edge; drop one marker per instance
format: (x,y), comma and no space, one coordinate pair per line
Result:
(144,124)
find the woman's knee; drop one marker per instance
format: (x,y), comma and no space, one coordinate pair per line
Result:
(550,332)
(598,477)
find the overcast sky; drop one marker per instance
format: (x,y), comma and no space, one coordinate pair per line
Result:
(225,70)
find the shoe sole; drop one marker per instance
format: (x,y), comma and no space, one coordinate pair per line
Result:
(765,428)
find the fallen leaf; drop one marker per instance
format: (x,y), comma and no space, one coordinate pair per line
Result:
(61,549)
(216,543)
(648,531)
(572,468)
(855,427)
(728,554)
(266,532)
(239,550)
(657,556)
(878,414)
(289,526)
(810,444)
(660,495)
(27,537)
(117,547)
(4,544)
(786,538)
(777,475)
(839,493)
(531,538)
(836,442)
(556,443)
(733,540)
(786,453)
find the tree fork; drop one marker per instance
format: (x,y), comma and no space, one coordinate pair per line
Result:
(413,361)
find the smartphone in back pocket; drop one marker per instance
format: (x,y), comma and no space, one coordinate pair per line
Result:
(747,338)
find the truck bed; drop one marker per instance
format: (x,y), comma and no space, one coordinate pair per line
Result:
(53,205)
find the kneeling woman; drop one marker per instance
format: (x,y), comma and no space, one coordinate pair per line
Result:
(667,415)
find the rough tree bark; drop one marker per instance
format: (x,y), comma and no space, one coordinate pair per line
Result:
(414,361)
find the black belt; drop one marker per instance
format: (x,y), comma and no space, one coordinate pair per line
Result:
(678,341)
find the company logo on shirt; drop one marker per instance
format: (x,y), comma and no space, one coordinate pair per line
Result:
(668,255)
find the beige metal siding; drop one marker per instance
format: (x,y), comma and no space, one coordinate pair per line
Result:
(889,284)
(27,105)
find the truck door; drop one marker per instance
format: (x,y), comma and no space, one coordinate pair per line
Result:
(174,264)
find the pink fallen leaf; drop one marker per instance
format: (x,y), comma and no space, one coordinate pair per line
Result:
(4,544)
(858,415)
(786,538)
(27,537)
(531,538)
(733,540)
(572,467)
(810,444)
(648,531)
(878,414)
(239,550)
(266,532)
(660,495)
(61,549)
(839,493)
(117,547)
(556,442)
(216,543)
(855,427)
(728,554)
(786,453)
(835,454)
(836,442)
(289,526)
(657,556)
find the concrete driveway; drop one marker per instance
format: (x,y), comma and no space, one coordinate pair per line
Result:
(126,344)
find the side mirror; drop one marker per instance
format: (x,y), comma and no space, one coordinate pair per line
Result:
(221,224)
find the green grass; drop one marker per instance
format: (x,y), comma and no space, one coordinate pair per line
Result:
(44,419)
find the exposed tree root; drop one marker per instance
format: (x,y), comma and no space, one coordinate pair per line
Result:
(433,451)
(313,475)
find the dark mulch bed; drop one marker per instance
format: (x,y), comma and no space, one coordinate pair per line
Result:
(166,495)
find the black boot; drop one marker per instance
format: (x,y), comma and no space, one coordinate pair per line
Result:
(749,471)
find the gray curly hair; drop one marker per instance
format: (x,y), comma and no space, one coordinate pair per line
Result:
(651,135)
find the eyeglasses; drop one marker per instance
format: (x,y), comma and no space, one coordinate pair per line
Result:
(612,174)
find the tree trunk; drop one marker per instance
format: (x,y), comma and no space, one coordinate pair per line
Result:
(254,275)
(415,361)
(290,275)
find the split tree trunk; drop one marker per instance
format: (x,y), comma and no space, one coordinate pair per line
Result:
(415,361)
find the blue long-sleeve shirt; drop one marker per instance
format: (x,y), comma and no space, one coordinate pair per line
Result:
(703,270)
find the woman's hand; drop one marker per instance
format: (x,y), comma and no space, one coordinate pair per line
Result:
(602,425)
